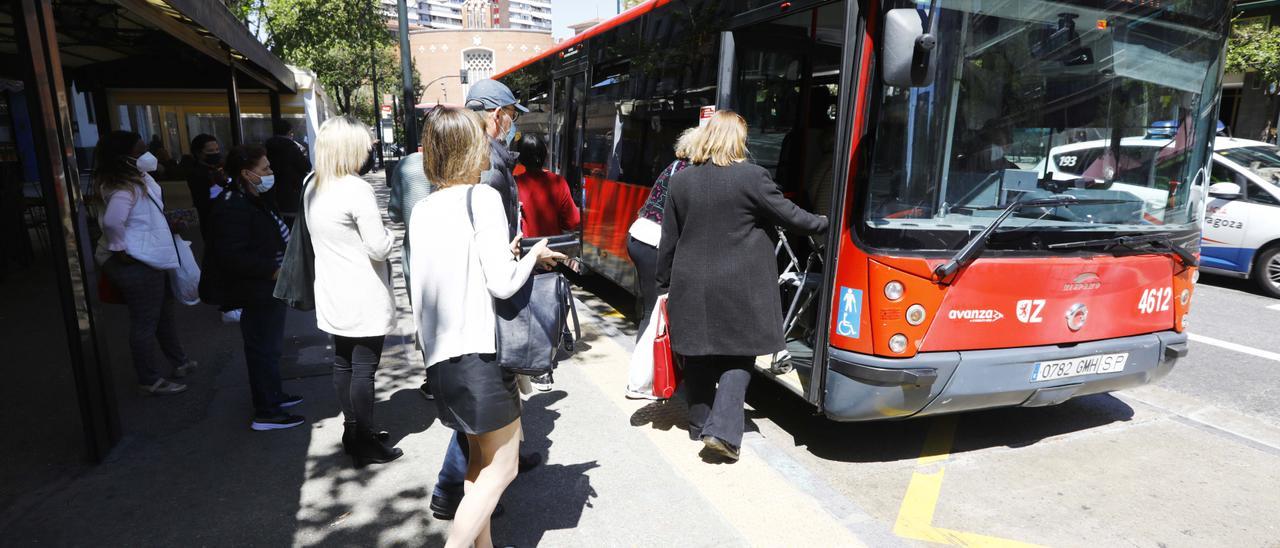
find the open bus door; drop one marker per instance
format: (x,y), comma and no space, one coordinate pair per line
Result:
(565,142)
(785,75)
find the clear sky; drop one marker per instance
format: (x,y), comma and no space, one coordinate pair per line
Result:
(568,12)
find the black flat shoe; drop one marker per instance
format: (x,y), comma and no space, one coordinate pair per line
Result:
(720,447)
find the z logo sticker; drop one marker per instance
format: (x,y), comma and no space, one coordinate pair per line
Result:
(1029,310)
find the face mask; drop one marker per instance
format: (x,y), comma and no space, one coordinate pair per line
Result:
(511,134)
(265,182)
(148,162)
(213,159)
(367,166)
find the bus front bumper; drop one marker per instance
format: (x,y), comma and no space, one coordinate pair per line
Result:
(861,387)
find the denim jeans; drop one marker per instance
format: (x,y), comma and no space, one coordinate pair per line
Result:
(355,362)
(716,388)
(262,328)
(454,471)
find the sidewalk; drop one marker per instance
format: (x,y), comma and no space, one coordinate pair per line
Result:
(617,472)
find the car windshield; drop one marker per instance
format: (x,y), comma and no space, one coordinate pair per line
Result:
(1100,99)
(1262,160)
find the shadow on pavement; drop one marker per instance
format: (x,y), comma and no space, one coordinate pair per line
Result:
(887,441)
(550,497)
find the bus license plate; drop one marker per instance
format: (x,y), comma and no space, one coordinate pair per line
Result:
(1075,367)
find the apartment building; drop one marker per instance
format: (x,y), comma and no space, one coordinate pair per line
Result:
(458,14)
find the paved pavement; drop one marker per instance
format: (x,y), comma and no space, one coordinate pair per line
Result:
(1191,461)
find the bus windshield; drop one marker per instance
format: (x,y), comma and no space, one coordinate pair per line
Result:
(1111,101)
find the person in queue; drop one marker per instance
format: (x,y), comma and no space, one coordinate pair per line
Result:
(463,221)
(642,246)
(205,177)
(290,164)
(135,253)
(545,199)
(354,302)
(498,109)
(716,254)
(242,262)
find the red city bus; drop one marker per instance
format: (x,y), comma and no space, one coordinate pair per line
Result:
(960,272)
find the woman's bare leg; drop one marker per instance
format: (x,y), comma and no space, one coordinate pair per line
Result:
(489,471)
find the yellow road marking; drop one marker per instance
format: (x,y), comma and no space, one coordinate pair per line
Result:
(915,516)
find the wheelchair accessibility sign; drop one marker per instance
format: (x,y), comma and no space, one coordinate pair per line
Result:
(849,320)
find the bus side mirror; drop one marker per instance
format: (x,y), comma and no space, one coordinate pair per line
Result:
(1224,191)
(908,50)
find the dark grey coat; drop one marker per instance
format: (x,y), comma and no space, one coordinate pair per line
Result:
(717,261)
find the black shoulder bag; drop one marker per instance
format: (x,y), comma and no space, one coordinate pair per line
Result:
(533,324)
(296,284)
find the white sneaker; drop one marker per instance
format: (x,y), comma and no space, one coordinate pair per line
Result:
(161,387)
(185,369)
(640,395)
(231,316)
(542,382)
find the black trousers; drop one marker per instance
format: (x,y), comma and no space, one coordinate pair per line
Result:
(354,364)
(716,387)
(146,292)
(262,328)
(645,257)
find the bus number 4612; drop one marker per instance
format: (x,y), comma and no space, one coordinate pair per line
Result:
(1155,300)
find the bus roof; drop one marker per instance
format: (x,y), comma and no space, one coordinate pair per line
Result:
(618,20)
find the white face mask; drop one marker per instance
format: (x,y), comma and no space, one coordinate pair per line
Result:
(148,162)
(265,182)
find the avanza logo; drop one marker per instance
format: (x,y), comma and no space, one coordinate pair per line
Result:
(976,315)
(1084,282)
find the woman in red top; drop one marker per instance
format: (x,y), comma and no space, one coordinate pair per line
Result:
(545,200)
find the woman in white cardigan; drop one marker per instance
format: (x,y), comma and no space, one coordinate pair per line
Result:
(354,302)
(459,265)
(136,252)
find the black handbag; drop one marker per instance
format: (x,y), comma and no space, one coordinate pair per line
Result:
(296,285)
(532,325)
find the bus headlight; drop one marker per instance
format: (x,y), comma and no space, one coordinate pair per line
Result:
(915,314)
(1195,276)
(898,343)
(893,290)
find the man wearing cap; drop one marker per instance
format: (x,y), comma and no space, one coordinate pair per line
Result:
(497,105)
(495,102)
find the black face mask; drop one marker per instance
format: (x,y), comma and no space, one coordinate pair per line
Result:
(367,166)
(213,159)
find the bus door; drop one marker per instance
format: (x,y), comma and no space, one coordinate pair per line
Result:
(783,75)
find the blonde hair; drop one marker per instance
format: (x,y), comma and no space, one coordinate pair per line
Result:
(342,145)
(684,143)
(723,141)
(455,148)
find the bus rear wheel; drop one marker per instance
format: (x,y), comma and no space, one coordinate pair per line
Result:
(1267,271)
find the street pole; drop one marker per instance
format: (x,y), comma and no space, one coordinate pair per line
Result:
(377,102)
(409,105)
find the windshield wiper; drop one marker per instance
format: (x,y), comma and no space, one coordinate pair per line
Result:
(1188,258)
(947,271)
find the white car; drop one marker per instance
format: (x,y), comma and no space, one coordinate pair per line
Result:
(1242,221)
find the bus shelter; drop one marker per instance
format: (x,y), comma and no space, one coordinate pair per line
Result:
(71,70)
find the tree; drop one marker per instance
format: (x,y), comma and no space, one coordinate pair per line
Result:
(1254,48)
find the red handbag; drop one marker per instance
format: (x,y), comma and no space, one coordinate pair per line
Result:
(666,375)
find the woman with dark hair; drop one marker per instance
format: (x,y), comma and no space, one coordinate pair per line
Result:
(242,260)
(135,253)
(545,200)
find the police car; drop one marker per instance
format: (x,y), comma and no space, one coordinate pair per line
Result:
(1242,215)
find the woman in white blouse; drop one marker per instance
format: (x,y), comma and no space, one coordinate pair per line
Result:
(462,261)
(354,302)
(136,252)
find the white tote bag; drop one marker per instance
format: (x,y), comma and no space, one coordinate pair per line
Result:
(185,280)
(640,377)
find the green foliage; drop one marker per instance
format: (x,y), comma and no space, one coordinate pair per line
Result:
(1254,48)
(338,39)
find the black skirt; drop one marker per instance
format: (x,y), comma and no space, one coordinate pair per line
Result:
(473,394)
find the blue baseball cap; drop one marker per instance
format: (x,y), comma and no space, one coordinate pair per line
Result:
(490,94)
